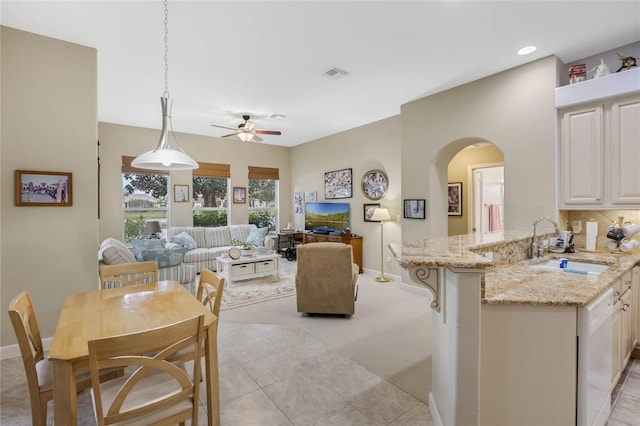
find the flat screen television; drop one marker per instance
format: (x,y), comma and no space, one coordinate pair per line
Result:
(326,217)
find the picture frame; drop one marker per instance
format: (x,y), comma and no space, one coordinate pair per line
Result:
(368,210)
(180,193)
(338,184)
(43,188)
(414,208)
(454,198)
(297,203)
(311,197)
(375,184)
(239,195)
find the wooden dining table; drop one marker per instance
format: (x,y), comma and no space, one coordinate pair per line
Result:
(105,313)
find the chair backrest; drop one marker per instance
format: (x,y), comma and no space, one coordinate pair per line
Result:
(157,386)
(25,325)
(210,289)
(125,274)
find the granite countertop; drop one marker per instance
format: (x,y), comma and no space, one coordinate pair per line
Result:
(508,280)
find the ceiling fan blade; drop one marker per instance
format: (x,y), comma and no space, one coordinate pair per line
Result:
(224,127)
(256,138)
(231,134)
(268,132)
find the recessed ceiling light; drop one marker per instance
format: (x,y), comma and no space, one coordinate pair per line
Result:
(526,50)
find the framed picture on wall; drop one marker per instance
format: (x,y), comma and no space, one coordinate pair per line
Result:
(368,211)
(311,197)
(297,203)
(338,184)
(414,209)
(454,199)
(43,188)
(375,184)
(180,193)
(239,195)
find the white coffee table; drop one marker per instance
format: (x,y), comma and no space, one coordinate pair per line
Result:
(247,267)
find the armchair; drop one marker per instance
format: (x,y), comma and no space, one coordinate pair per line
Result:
(326,278)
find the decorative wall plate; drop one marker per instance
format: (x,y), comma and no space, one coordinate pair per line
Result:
(375,184)
(235,253)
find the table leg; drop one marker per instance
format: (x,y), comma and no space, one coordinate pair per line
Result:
(64,394)
(211,362)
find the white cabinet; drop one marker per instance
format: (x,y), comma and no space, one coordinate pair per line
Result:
(624,322)
(635,305)
(615,347)
(600,155)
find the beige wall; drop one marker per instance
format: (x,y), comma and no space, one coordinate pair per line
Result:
(458,171)
(49,115)
(118,140)
(374,146)
(514,110)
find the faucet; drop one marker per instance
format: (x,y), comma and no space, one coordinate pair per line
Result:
(536,250)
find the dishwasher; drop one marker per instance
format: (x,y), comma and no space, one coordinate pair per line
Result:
(594,360)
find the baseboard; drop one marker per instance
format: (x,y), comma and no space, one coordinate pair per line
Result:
(13,351)
(433,409)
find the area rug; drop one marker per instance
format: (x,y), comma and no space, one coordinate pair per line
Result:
(248,292)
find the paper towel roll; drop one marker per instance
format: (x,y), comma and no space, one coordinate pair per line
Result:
(592,235)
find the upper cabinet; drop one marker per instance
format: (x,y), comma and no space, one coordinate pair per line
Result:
(600,143)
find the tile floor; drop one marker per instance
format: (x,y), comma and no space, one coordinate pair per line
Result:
(625,398)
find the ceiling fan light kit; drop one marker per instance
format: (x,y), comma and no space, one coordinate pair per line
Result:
(247,131)
(165,157)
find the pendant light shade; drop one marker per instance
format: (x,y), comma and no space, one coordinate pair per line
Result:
(164,157)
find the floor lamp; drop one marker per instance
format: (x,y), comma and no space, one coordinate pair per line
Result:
(381,215)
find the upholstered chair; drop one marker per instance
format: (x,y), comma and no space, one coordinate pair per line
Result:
(326,278)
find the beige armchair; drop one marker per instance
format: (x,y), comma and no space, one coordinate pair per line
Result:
(326,278)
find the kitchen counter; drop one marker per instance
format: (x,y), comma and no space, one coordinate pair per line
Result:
(507,279)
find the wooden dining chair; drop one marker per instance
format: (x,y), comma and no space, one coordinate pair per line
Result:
(210,287)
(125,274)
(38,369)
(157,390)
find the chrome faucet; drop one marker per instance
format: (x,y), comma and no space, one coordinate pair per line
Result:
(537,250)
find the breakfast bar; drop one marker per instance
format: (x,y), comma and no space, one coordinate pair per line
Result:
(494,312)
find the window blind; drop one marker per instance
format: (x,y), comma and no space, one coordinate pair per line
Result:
(264,173)
(213,170)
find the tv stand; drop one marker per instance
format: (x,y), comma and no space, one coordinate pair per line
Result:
(354,242)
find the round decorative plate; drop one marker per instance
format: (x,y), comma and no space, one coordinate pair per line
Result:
(235,253)
(375,184)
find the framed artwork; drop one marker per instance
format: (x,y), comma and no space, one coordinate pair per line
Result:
(414,209)
(455,198)
(375,184)
(180,193)
(368,211)
(35,188)
(338,184)
(239,195)
(297,202)
(311,197)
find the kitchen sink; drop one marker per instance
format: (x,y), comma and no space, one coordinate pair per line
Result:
(572,266)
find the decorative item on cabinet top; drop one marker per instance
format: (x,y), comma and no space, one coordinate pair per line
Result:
(375,184)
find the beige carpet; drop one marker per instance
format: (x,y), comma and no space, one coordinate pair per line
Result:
(248,292)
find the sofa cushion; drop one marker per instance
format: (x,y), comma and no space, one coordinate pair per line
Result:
(256,236)
(164,256)
(114,254)
(241,232)
(196,232)
(146,244)
(185,240)
(217,236)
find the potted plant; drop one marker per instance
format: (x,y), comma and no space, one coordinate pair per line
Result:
(247,248)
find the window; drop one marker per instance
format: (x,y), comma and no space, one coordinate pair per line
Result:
(263,197)
(144,198)
(211,194)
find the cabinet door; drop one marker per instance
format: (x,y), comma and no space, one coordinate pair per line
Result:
(624,141)
(625,329)
(615,347)
(581,156)
(635,304)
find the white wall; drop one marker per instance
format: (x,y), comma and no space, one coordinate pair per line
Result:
(514,110)
(49,115)
(118,140)
(374,146)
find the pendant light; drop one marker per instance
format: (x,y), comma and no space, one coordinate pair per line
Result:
(165,157)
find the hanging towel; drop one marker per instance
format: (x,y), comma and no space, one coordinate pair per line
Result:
(495,218)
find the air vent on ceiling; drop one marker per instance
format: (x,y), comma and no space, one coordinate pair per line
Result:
(335,73)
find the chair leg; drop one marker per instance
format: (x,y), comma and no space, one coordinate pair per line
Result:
(42,414)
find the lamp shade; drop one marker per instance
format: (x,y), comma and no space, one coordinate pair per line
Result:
(245,136)
(380,214)
(152,227)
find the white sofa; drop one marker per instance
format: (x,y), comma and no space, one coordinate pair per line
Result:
(211,242)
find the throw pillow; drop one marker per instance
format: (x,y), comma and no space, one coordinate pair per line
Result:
(150,244)
(185,240)
(256,236)
(172,245)
(165,257)
(115,255)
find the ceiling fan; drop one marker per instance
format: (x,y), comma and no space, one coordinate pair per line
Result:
(247,132)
